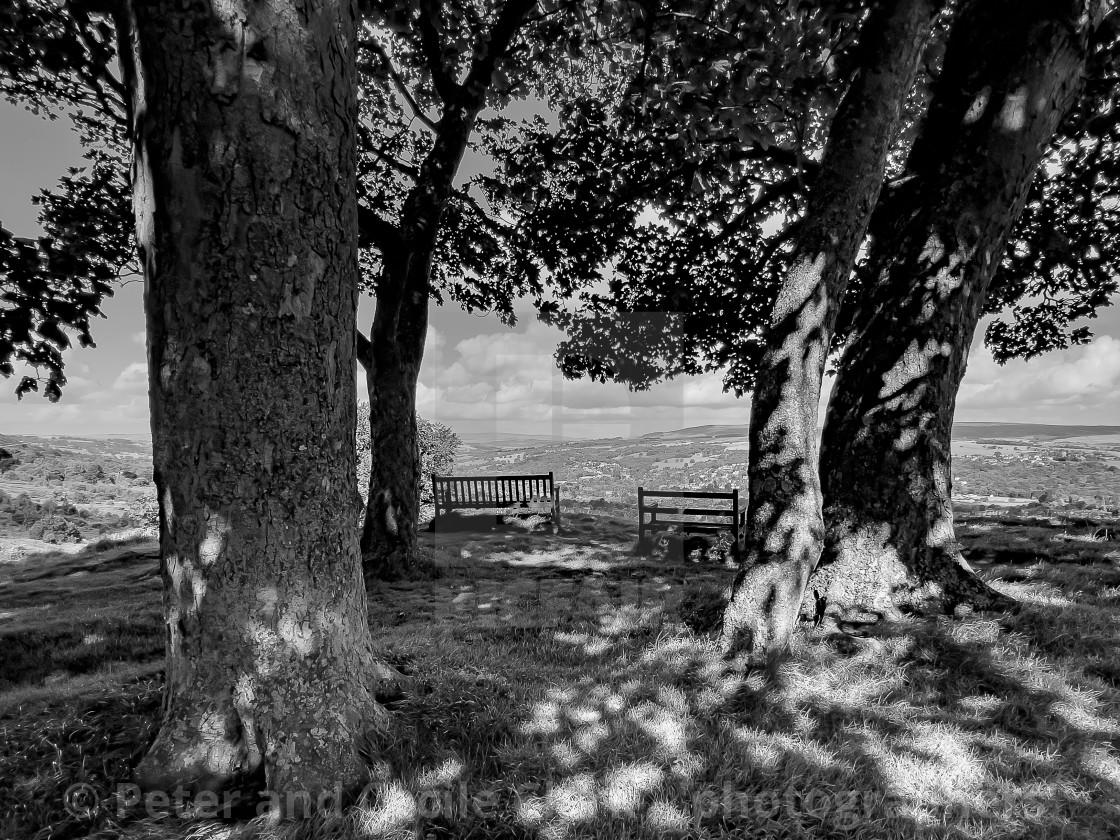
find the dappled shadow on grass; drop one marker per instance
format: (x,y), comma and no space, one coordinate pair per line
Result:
(83,738)
(628,725)
(559,700)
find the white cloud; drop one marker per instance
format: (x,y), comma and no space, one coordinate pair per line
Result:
(509,379)
(1077,385)
(133,378)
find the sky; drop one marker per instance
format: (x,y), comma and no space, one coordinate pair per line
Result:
(481,377)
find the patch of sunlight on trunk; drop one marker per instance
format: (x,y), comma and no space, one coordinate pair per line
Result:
(914,364)
(212,749)
(214,543)
(1013,114)
(978,106)
(297,631)
(802,281)
(789,527)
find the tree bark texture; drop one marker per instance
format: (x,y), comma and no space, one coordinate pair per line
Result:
(395,349)
(244,178)
(784,521)
(1012,70)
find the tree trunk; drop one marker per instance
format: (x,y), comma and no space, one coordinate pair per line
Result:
(243,118)
(784,524)
(395,349)
(1012,71)
(389,542)
(395,353)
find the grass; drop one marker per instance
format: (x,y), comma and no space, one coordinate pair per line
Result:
(560,696)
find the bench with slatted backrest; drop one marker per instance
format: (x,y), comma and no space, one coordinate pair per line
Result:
(698,520)
(517,494)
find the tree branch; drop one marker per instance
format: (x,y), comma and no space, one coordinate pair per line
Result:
(399,84)
(378,232)
(496,227)
(386,158)
(509,21)
(444,82)
(769,194)
(364,350)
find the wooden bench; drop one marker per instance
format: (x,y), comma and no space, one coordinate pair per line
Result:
(520,494)
(727,516)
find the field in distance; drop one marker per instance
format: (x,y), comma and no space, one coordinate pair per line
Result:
(75,489)
(996,463)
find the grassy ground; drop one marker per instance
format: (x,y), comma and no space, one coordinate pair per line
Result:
(560,696)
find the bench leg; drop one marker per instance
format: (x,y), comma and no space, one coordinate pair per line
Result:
(556,509)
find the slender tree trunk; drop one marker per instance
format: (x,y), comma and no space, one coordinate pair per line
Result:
(389,541)
(1012,71)
(395,349)
(784,524)
(243,117)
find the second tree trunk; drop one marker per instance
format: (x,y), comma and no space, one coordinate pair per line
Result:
(784,521)
(1012,71)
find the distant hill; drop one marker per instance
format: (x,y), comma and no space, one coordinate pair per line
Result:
(961,431)
(103,445)
(699,433)
(1036,431)
(508,440)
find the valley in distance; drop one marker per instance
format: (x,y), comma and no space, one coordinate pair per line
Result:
(71,490)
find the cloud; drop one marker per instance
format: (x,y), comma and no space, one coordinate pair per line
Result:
(1077,385)
(509,378)
(96,416)
(133,378)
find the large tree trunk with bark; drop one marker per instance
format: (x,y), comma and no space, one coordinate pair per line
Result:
(394,351)
(784,520)
(243,116)
(1012,71)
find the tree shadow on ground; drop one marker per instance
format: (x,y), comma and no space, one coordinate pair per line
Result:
(555,698)
(627,725)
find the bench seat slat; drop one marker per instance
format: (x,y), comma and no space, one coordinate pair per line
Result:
(687,494)
(690,511)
